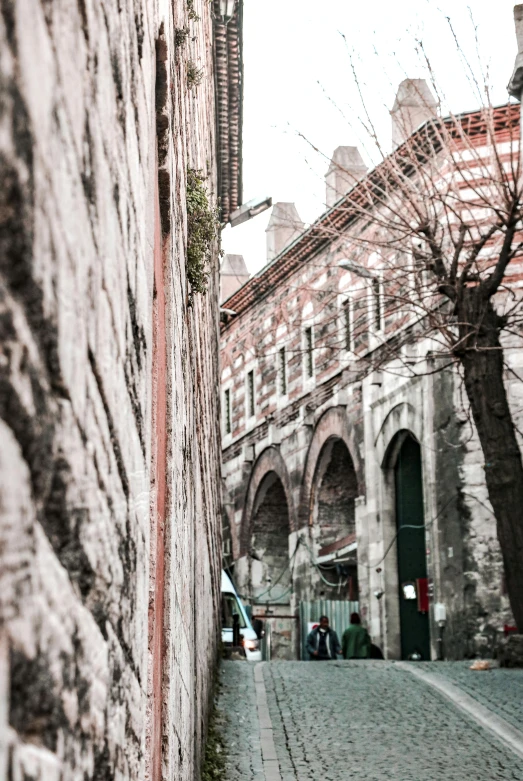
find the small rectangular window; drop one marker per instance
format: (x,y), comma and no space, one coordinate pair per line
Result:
(309,357)
(227,411)
(251,409)
(282,371)
(377,304)
(347,325)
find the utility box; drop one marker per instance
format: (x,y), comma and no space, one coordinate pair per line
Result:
(440,613)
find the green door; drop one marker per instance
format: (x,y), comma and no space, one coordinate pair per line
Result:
(412,562)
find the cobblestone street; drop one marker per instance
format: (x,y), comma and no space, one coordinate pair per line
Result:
(377,721)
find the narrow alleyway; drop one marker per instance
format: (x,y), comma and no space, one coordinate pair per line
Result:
(372,721)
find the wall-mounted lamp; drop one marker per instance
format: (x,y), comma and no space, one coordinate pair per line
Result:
(249,210)
(227,10)
(229,312)
(361,271)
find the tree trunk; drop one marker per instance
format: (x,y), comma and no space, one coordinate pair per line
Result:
(481,356)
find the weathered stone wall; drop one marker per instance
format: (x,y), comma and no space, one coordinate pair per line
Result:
(108,576)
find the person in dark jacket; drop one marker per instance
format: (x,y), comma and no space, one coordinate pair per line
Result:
(323,643)
(355,642)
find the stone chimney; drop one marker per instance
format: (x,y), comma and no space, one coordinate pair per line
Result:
(284,226)
(233,274)
(515,86)
(414,105)
(345,169)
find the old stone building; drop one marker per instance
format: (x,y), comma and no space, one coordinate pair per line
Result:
(109,476)
(326,459)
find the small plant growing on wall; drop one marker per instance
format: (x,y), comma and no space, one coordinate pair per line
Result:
(194,75)
(180,36)
(193,16)
(202,231)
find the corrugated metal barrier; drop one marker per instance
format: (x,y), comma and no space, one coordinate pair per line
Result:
(338,613)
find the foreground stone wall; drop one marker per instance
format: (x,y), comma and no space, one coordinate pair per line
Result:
(108,438)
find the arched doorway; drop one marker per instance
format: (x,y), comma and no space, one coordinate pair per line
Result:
(269,550)
(270,567)
(411,548)
(334,523)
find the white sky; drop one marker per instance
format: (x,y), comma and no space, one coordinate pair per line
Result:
(298,80)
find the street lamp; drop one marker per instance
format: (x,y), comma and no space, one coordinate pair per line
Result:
(249,210)
(350,265)
(227,10)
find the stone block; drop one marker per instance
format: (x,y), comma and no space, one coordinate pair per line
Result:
(511,651)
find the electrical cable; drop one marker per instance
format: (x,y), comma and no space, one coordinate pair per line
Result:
(282,573)
(315,564)
(408,526)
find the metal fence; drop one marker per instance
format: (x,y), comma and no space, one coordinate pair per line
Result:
(337,611)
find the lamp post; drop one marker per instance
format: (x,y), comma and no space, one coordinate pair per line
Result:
(227,10)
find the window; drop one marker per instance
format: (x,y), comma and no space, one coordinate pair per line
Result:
(309,357)
(377,302)
(282,371)
(347,325)
(227,411)
(230,608)
(251,408)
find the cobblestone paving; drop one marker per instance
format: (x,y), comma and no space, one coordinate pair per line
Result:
(499,690)
(369,721)
(239,722)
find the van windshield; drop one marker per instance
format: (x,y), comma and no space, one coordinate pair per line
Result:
(230,607)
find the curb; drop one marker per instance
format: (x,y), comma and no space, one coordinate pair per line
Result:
(501,729)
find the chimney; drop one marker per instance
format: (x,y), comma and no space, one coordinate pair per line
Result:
(515,85)
(233,274)
(345,169)
(284,226)
(414,105)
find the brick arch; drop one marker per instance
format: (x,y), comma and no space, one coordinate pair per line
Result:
(401,418)
(333,424)
(269,461)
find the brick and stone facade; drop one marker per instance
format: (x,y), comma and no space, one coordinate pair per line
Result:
(312,437)
(109,476)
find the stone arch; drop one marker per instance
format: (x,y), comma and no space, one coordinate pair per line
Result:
(401,418)
(229,544)
(333,425)
(269,461)
(402,423)
(334,492)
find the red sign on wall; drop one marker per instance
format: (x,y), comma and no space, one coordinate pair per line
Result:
(422,587)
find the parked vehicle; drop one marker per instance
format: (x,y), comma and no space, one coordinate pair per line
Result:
(231,605)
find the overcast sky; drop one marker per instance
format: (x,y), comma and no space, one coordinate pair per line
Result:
(300,94)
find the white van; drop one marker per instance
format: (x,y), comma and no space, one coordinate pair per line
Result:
(231,605)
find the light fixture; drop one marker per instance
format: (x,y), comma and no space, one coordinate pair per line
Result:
(349,265)
(227,10)
(409,590)
(229,312)
(249,210)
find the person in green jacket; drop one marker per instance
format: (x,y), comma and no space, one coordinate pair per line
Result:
(355,643)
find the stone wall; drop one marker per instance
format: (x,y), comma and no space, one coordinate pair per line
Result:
(109,445)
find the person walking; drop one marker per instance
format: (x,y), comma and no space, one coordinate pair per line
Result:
(322,642)
(355,642)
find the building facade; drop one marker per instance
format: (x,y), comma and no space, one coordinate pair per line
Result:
(110,505)
(351,469)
